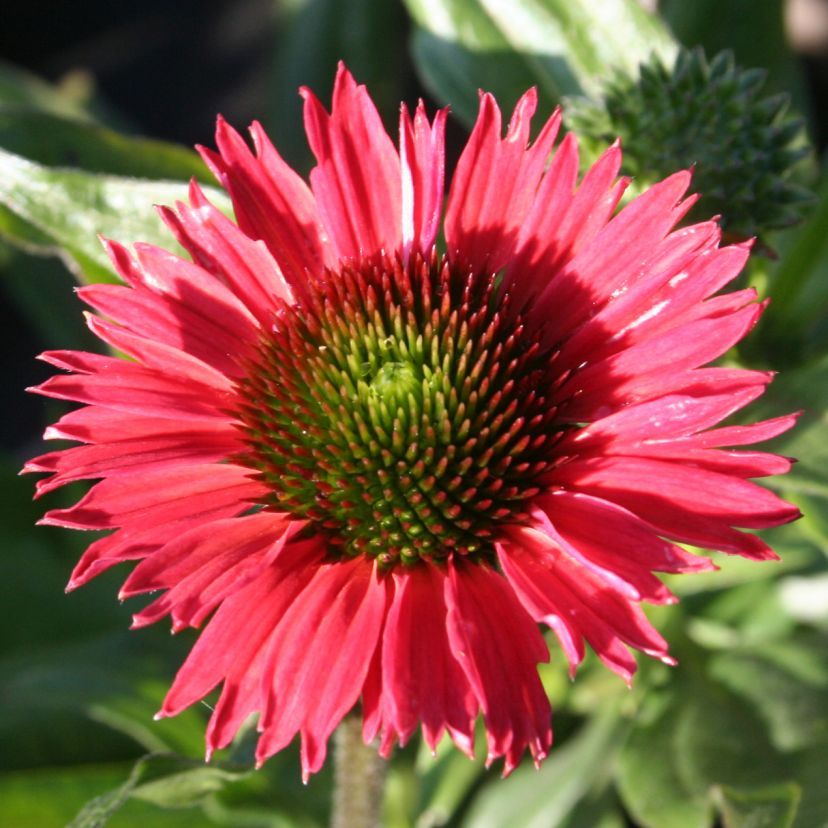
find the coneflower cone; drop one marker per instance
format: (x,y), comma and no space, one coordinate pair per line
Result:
(746,148)
(370,468)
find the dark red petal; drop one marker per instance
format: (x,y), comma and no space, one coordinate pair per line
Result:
(495,184)
(233,645)
(421,679)
(692,505)
(161,496)
(422,162)
(498,646)
(357,179)
(319,658)
(271,202)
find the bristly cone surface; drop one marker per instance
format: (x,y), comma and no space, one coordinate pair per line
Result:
(403,409)
(745,147)
(369,468)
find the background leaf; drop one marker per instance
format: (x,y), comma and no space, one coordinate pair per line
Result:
(562,47)
(773,807)
(63,210)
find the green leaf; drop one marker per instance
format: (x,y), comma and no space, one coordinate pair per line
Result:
(650,780)
(562,47)
(792,699)
(93,700)
(795,323)
(369,35)
(165,780)
(773,807)
(447,779)
(63,142)
(545,798)
(693,738)
(62,211)
(51,797)
(20,87)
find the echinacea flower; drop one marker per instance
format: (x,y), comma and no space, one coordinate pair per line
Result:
(371,469)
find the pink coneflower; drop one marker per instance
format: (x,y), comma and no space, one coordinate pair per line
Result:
(370,468)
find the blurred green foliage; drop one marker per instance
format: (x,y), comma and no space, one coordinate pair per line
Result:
(736,735)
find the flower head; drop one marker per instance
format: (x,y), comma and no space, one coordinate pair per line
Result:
(370,469)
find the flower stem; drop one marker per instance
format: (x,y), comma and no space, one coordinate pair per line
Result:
(359,774)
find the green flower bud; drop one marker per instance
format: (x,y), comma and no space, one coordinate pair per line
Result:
(745,148)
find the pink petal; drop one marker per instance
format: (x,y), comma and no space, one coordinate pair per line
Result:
(692,505)
(646,370)
(357,180)
(499,647)
(203,567)
(674,281)
(131,388)
(271,202)
(421,679)
(560,223)
(92,424)
(629,580)
(422,163)
(599,524)
(319,658)
(745,434)
(218,246)
(233,645)
(125,457)
(613,260)
(495,184)
(542,243)
(663,419)
(165,359)
(552,585)
(161,496)
(123,545)
(211,330)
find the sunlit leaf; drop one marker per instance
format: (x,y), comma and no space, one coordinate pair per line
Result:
(792,698)
(544,798)
(63,211)
(165,780)
(369,35)
(65,142)
(773,807)
(51,797)
(563,48)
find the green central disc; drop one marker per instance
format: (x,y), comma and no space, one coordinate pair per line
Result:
(401,410)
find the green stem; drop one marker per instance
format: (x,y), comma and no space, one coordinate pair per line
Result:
(359,776)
